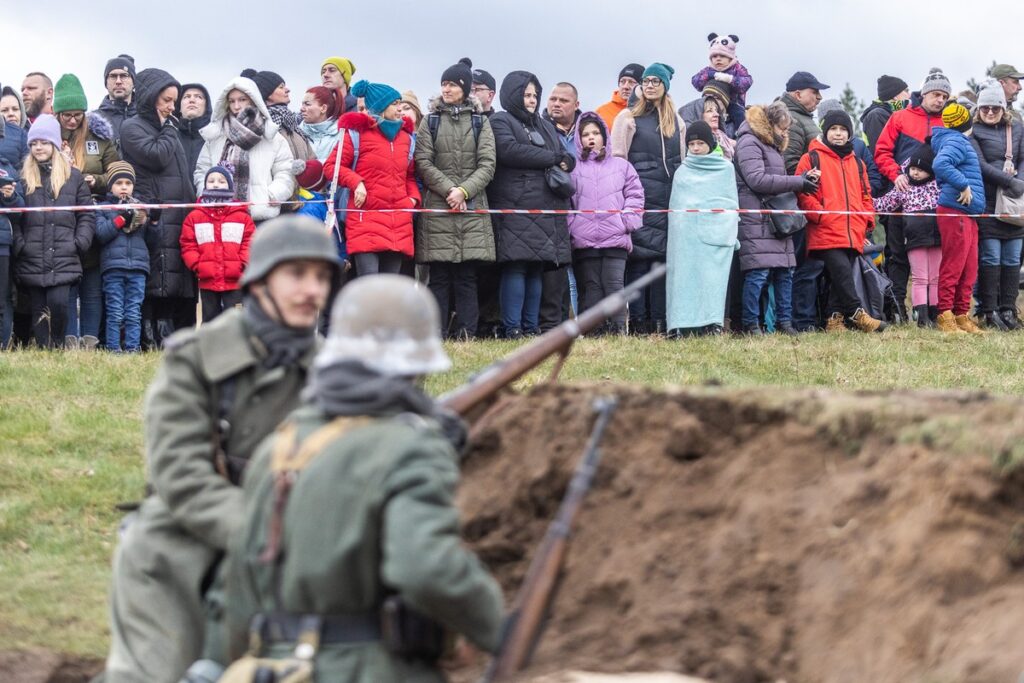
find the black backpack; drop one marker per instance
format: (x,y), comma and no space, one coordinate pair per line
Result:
(434,123)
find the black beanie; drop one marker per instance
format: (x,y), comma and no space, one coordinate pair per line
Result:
(889,87)
(634,71)
(462,74)
(837,117)
(126,62)
(922,158)
(266,81)
(700,130)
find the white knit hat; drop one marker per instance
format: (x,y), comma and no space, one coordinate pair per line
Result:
(991,95)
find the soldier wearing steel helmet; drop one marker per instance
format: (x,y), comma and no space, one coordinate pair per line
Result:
(349,558)
(219,391)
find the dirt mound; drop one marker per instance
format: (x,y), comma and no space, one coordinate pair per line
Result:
(760,535)
(43,666)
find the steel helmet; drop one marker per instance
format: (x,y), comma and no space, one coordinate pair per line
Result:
(288,238)
(389,324)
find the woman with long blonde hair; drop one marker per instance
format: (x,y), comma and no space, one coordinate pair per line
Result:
(48,245)
(89,146)
(650,135)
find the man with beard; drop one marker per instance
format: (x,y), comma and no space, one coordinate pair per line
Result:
(119,104)
(37,93)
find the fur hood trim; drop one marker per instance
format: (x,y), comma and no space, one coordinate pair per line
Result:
(362,122)
(758,123)
(99,126)
(436,104)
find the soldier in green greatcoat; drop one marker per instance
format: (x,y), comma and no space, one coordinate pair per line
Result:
(350,533)
(219,391)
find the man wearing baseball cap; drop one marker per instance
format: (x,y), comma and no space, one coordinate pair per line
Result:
(1009,78)
(629,78)
(483,89)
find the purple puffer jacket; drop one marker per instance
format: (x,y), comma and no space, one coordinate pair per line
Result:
(606,183)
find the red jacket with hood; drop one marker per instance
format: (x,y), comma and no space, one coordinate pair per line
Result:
(215,245)
(844,187)
(388,173)
(903,132)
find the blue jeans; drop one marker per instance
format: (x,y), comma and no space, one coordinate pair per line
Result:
(993,252)
(520,296)
(754,282)
(123,291)
(90,290)
(805,285)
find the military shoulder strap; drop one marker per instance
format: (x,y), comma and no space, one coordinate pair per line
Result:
(288,459)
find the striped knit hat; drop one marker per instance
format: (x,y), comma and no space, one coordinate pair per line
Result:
(118,171)
(956,116)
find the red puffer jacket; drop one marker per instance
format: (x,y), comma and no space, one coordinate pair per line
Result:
(386,169)
(844,187)
(215,245)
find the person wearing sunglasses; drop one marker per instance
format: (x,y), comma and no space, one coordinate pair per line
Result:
(119,104)
(999,243)
(89,146)
(651,136)
(526,245)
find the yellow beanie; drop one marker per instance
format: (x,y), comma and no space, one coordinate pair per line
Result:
(345,66)
(956,116)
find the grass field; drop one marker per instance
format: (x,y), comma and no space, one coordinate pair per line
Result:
(71,439)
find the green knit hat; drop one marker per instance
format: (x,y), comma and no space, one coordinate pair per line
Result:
(68,95)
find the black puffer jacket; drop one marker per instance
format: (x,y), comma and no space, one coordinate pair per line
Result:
(519,181)
(48,246)
(188,129)
(162,175)
(990,144)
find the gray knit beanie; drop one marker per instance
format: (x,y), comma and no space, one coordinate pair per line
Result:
(936,80)
(991,95)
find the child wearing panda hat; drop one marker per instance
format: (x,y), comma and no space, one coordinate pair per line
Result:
(725,67)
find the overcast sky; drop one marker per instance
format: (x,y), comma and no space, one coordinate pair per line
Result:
(409,44)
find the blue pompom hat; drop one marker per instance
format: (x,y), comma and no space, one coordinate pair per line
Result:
(377,96)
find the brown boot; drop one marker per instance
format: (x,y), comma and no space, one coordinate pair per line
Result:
(865,323)
(946,322)
(965,323)
(835,323)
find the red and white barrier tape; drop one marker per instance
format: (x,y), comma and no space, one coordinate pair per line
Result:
(497,212)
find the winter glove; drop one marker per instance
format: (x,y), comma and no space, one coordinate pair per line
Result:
(154,215)
(569,160)
(1015,190)
(810,184)
(722,76)
(298,166)
(128,215)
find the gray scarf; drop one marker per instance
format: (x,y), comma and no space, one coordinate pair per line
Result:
(244,132)
(351,388)
(285,345)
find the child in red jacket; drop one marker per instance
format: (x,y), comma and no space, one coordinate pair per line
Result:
(215,244)
(838,238)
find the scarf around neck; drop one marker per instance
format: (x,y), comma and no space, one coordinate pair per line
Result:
(285,345)
(388,128)
(351,388)
(843,150)
(285,118)
(244,132)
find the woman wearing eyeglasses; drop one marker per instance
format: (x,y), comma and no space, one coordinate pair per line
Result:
(999,243)
(89,147)
(650,135)
(526,146)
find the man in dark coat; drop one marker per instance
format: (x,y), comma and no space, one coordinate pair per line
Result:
(193,112)
(150,143)
(119,104)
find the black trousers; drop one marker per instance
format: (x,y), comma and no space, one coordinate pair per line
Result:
(215,303)
(554,298)
(651,304)
(897,263)
(842,294)
(49,314)
(455,283)
(599,275)
(374,262)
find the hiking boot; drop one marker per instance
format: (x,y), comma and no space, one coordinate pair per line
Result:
(965,323)
(946,322)
(786,327)
(1009,317)
(923,318)
(753,330)
(865,323)
(835,323)
(71,342)
(89,342)
(992,320)
(515,334)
